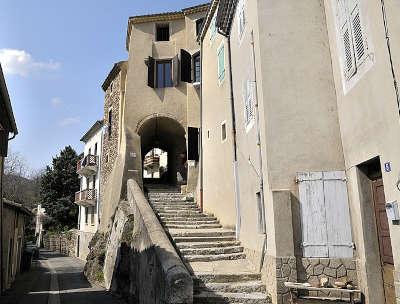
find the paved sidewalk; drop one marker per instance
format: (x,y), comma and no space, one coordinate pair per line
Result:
(56,279)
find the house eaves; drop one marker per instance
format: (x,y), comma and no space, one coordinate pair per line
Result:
(10,124)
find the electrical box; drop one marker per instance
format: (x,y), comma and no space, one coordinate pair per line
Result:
(392,211)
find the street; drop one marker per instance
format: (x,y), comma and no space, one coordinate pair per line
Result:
(56,279)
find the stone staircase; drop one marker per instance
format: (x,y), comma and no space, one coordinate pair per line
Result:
(221,273)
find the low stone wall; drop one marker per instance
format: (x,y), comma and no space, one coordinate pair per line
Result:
(140,263)
(311,270)
(64,243)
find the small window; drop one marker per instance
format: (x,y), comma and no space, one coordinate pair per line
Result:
(196,68)
(213,27)
(95,149)
(199,26)
(111,87)
(221,63)
(109,130)
(223,131)
(162,32)
(107,158)
(242,18)
(248,95)
(164,74)
(208,134)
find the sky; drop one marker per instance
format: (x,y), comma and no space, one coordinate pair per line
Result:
(55,55)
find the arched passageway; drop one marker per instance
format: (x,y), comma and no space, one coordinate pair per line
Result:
(166,134)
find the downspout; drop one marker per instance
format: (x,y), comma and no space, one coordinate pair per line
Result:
(396,88)
(235,162)
(1,223)
(259,152)
(201,126)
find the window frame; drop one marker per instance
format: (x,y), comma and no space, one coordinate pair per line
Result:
(160,26)
(164,62)
(224,132)
(195,79)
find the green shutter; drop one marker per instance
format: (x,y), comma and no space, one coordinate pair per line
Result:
(221,63)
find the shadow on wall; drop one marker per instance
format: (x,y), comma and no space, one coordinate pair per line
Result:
(139,278)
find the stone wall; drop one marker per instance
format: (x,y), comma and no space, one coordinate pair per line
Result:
(64,243)
(397,285)
(277,271)
(311,270)
(110,143)
(84,241)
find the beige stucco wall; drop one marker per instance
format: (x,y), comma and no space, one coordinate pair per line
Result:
(218,182)
(368,113)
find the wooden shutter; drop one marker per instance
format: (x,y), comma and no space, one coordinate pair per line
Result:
(338,222)
(325,216)
(150,73)
(193,144)
(175,71)
(186,66)
(360,44)
(312,204)
(348,50)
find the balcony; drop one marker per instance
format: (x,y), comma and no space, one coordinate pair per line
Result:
(86,198)
(152,163)
(87,166)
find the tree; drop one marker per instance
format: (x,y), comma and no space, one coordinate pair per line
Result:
(20,185)
(57,190)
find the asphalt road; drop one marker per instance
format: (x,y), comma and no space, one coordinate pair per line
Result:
(56,279)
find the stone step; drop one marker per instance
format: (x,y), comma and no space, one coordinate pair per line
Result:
(206,233)
(190,226)
(211,251)
(174,204)
(196,217)
(212,244)
(189,222)
(202,239)
(176,209)
(247,286)
(193,212)
(207,277)
(230,297)
(210,258)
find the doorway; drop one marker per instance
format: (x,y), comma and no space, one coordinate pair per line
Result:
(385,245)
(375,215)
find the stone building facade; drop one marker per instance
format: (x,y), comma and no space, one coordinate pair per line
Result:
(114,88)
(303,114)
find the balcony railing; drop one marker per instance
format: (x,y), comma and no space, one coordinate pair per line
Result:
(87,165)
(86,198)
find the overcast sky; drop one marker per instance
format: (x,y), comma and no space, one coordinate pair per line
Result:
(56,54)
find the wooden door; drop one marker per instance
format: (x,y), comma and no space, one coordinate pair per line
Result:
(385,245)
(382,223)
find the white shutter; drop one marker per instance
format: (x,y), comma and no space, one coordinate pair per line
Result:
(348,50)
(338,216)
(325,214)
(312,204)
(360,44)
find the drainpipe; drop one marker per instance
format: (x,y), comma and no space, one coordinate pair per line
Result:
(396,88)
(257,106)
(235,162)
(201,126)
(1,222)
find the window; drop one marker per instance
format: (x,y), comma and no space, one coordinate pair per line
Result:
(208,134)
(164,74)
(352,36)
(199,26)
(325,216)
(86,215)
(196,68)
(111,87)
(95,149)
(223,131)
(109,130)
(248,95)
(241,18)
(107,158)
(162,32)
(193,144)
(213,27)
(221,63)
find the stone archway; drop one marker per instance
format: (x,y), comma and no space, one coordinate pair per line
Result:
(167,134)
